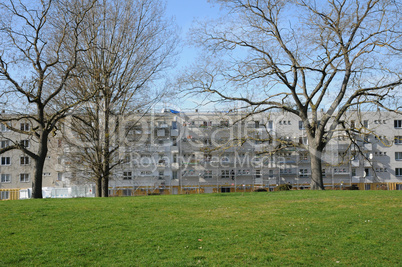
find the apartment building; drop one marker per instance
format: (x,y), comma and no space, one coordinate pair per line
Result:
(175,152)
(205,152)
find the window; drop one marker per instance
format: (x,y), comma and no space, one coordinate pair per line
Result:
(5,143)
(5,161)
(24,177)
(285,171)
(366,124)
(127,175)
(398,155)
(59,176)
(256,124)
(174,125)
(398,123)
(354,172)
(161,173)
(3,128)
(303,140)
(24,160)
(24,126)
(269,125)
(5,195)
(5,178)
(323,172)
(398,172)
(24,143)
(398,140)
(224,123)
(225,174)
(207,141)
(303,173)
(207,174)
(352,124)
(126,192)
(301,125)
(258,174)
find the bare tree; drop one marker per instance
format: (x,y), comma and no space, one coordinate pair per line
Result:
(130,44)
(34,70)
(314,59)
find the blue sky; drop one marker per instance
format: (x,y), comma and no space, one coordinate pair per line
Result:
(185,11)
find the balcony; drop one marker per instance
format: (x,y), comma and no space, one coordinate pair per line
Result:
(367,163)
(174,132)
(368,146)
(258,181)
(355,163)
(356,179)
(161,133)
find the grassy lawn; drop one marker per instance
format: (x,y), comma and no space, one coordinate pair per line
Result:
(330,228)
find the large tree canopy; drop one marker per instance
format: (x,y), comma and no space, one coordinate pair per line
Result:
(315,59)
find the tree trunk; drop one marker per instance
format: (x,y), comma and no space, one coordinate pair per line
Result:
(39,164)
(105,187)
(106,148)
(37,178)
(98,183)
(316,170)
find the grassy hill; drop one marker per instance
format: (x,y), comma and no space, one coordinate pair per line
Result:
(330,228)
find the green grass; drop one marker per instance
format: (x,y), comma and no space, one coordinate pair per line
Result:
(330,228)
